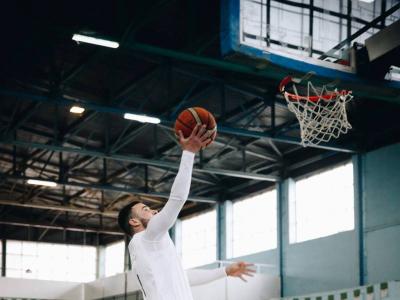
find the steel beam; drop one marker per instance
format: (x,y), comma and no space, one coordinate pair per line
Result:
(136,159)
(58,227)
(221,129)
(271,73)
(62,208)
(113,188)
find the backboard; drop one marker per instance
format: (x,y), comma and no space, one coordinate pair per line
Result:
(306,36)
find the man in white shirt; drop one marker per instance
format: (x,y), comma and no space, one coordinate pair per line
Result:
(154,258)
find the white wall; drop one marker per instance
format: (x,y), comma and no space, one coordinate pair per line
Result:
(110,286)
(259,287)
(43,289)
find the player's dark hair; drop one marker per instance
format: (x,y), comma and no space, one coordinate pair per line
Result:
(125,214)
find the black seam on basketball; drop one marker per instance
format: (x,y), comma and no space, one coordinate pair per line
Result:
(208,120)
(194,117)
(184,124)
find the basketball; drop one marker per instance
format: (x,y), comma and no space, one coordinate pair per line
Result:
(192,116)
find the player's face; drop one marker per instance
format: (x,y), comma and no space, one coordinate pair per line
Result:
(143,213)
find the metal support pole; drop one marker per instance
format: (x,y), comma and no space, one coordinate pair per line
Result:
(358,171)
(340,20)
(280,193)
(3,258)
(268,21)
(348,22)
(383,9)
(310,29)
(220,232)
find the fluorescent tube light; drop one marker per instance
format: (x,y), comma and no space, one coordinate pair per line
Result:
(95,41)
(42,182)
(76,110)
(367,1)
(142,118)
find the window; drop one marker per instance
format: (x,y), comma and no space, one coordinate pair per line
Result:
(322,204)
(114,258)
(199,240)
(50,261)
(254,224)
(287,28)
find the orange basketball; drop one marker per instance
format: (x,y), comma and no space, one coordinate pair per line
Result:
(192,116)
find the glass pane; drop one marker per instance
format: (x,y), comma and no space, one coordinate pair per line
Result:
(328,5)
(289,24)
(14,247)
(393,17)
(29,248)
(199,238)
(29,263)
(254,224)
(45,250)
(114,258)
(14,261)
(327,33)
(321,208)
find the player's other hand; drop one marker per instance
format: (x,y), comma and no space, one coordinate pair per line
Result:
(198,139)
(240,269)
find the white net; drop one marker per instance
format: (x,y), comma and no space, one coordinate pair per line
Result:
(321,114)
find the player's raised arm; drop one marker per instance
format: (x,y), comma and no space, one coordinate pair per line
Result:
(164,220)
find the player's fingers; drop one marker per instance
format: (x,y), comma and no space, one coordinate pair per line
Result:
(201,131)
(195,130)
(250,270)
(205,136)
(181,137)
(241,277)
(206,142)
(248,274)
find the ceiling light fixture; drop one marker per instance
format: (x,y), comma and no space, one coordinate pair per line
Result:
(42,182)
(76,110)
(93,40)
(142,118)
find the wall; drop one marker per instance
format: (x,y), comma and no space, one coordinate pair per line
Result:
(262,286)
(40,289)
(381,194)
(323,264)
(332,262)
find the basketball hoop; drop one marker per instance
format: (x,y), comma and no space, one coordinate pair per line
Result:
(321,112)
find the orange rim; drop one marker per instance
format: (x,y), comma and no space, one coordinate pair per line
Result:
(293,97)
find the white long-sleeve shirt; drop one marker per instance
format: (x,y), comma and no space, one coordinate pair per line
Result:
(154,258)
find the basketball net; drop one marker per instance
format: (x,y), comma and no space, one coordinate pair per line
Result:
(321,113)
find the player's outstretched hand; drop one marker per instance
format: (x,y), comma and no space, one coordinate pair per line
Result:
(197,139)
(239,269)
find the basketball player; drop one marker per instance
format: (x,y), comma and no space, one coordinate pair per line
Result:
(153,255)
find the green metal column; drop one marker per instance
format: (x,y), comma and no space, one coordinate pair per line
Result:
(3,258)
(224,230)
(359,214)
(285,190)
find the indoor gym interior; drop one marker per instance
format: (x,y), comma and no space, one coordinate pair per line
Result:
(319,222)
